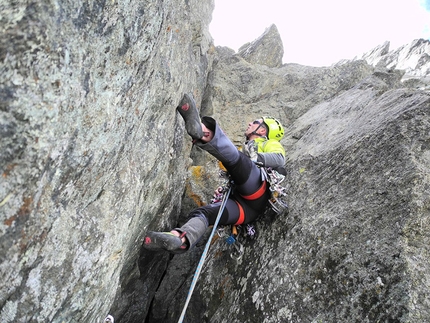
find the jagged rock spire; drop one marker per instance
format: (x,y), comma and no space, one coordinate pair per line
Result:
(265,50)
(412,58)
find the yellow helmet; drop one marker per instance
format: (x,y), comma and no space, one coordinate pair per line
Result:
(276,131)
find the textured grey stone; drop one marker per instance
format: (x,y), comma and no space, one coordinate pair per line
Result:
(354,244)
(265,50)
(412,59)
(93,154)
(92,151)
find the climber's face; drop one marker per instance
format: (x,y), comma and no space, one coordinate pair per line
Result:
(254,127)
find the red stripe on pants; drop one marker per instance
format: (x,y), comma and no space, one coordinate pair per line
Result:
(241,214)
(257,194)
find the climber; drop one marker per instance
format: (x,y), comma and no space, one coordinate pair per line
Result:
(250,192)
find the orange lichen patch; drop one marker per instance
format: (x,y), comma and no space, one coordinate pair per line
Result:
(24,210)
(197,180)
(197,172)
(221,166)
(225,285)
(215,238)
(8,169)
(217,254)
(25,207)
(196,198)
(9,221)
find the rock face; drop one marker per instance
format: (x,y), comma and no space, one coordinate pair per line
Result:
(265,50)
(93,154)
(353,246)
(412,58)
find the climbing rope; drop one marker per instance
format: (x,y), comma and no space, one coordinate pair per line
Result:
(205,251)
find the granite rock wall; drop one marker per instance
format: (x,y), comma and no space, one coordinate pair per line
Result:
(92,150)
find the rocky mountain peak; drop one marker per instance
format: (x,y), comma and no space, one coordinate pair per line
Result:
(265,50)
(412,59)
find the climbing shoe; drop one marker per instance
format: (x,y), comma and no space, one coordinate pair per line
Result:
(188,110)
(165,241)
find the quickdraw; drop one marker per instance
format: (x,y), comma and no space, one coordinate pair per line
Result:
(231,240)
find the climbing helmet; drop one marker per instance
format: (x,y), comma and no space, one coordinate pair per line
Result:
(275,129)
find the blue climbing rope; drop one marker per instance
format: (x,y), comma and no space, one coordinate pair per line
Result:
(203,257)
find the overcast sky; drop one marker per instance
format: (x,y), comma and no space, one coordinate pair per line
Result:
(320,33)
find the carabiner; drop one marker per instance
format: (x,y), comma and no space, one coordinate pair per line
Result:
(239,251)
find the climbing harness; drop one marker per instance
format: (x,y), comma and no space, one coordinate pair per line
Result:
(277,204)
(277,201)
(205,251)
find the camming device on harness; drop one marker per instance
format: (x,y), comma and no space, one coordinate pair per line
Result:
(278,196)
